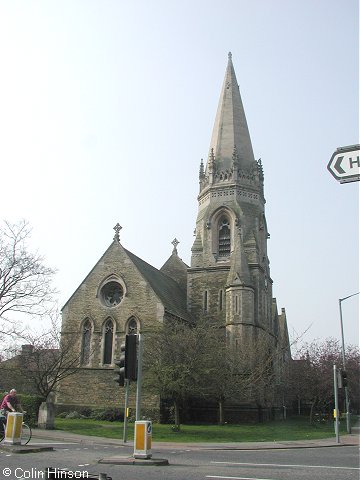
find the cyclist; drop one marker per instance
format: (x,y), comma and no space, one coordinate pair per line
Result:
(10,403)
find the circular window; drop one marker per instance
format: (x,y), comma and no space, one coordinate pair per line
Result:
(112,294)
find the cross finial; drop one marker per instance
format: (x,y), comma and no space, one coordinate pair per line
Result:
(117,229)
(175,242)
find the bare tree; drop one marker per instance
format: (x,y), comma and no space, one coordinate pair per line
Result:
(185,361)
(312,374)
(25,282)
(43,362)
(177,361)
(50,361)
(248,371)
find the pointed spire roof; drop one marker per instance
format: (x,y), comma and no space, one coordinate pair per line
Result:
(230,128)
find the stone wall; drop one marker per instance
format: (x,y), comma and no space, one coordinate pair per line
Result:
(93,383)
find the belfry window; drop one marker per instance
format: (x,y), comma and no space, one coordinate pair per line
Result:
(86,343)
(224,237)
(108,342)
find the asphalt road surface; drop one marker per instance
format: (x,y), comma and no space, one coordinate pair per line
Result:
(327,463)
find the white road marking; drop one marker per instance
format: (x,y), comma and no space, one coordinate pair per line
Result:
(238,478)
(284,465)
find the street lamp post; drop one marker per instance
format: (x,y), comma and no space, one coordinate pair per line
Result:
(348,423)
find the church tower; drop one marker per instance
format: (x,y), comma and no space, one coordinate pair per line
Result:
(229,279)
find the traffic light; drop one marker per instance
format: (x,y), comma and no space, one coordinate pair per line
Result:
(344,380)
(127,362)
(120,378)
(131,357)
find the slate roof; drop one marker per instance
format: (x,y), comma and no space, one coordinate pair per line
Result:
(176,269)
(169,292)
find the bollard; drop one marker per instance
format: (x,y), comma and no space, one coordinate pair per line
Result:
(142,442)
(13,428)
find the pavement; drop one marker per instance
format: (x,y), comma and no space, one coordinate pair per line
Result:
(352,439)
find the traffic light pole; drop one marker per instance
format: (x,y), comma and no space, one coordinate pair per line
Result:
(127,372)
(127,384)
(139,377)
(346,388)
(336,409)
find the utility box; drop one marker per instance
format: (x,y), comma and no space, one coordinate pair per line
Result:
(13,428)
(142,441)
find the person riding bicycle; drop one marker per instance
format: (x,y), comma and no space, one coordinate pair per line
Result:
(10,403)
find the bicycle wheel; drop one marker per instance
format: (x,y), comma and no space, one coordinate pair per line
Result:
(25,434)
(2,431)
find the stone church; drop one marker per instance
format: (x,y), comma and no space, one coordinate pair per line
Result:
(228,280)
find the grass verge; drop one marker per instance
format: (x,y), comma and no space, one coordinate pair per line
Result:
(291,429)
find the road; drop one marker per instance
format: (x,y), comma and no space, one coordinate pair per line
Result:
(327,463)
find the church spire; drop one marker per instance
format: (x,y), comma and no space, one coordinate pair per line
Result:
(230,128)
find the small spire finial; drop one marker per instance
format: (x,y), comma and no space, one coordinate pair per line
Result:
(201,172)
(117,229)
(175,242)
(230,55)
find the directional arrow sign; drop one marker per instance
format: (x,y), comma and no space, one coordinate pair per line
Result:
(344,164)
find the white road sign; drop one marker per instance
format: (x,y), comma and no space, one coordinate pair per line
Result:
(344,164)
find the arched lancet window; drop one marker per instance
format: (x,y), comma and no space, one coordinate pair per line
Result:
(86,343)
(236,303)
(206,301)
(132,326)
(221,300)
(108,342)
(224,237)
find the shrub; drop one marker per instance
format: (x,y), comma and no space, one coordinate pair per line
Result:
(110,414)
(85,412)
(73,415)
(31,405)
(150,414)
(62,415)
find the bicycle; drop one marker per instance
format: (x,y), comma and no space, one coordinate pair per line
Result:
(26,432)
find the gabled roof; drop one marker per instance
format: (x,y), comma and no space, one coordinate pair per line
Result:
(168,291)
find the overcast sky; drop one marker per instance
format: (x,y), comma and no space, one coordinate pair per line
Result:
(107,107)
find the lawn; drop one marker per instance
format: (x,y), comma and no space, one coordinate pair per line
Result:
(291,429)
